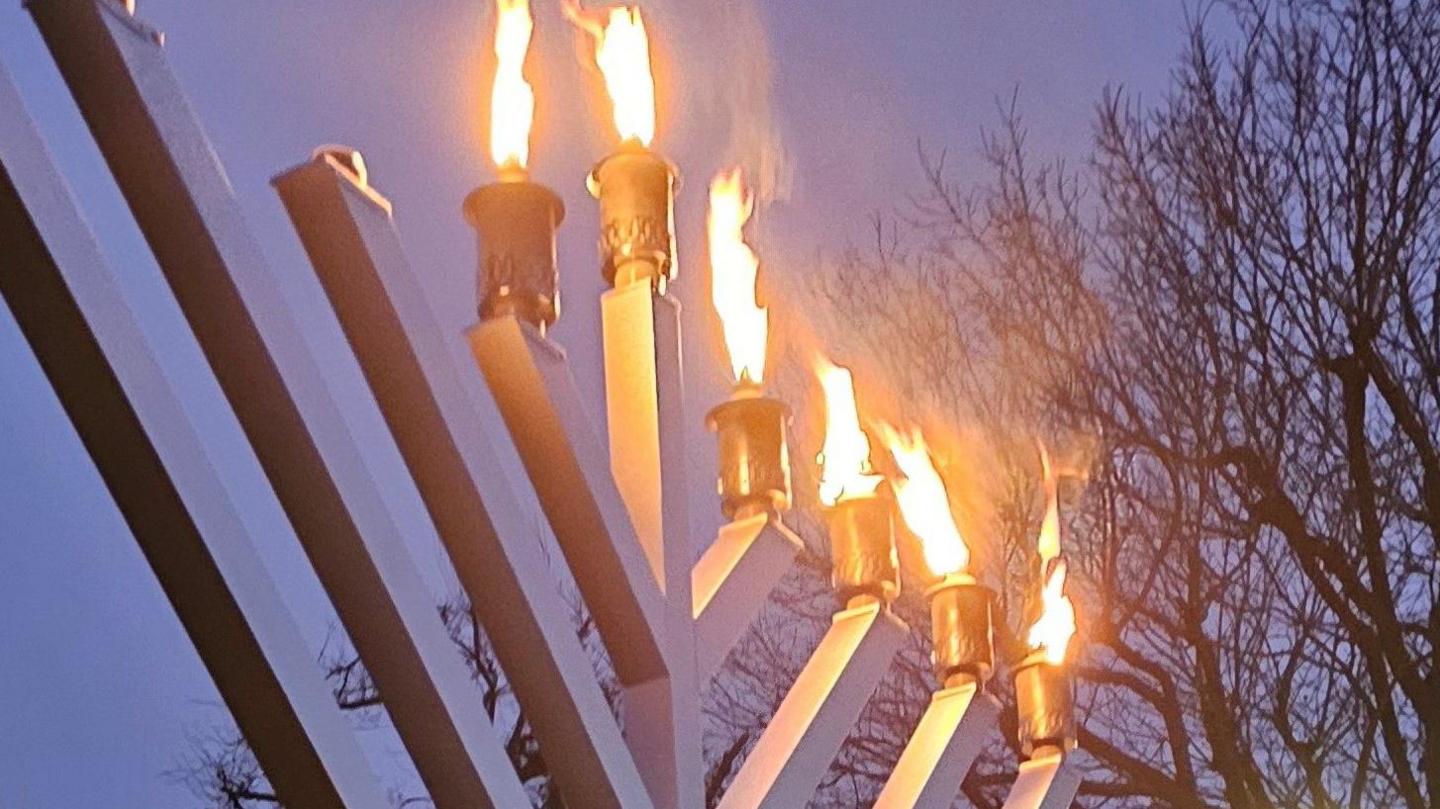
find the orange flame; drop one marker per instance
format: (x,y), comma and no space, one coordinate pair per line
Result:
(733,267)
(1049,542)
(1052,631)
(622,51)
(845,470)
(512,101)
(924,503)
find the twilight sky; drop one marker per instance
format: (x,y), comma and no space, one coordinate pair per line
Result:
(99,687)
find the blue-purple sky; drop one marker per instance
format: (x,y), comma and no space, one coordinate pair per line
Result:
(99,686)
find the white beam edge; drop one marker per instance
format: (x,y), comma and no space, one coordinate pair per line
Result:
(530,380)
(349,233)
(732,581)
(171,177)
(645,407)
(177,465)
(644,398)
(529,377)
(1044,783)
(797,747)
(940,752)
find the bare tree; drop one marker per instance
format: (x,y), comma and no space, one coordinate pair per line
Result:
(221,770)
(1230,319)
(1237,304)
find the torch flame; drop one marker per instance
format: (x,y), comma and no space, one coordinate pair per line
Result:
(845,459)
(1049,543)
(924,503)
(1052,631)
(733,267)
(512,101)
(622,51)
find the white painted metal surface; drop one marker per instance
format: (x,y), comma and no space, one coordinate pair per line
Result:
(1044,783)
(645,407)
(116,69)
(569,468)
(174,459)
(350,236)
(803,738)
(732,581)
(530,379)
(643,401)
(940,752)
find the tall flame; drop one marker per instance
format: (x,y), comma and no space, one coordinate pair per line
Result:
(733,267)
(1052,631)
(622,51)
(845,459)
(924,503)
(512,101)
(1049,542)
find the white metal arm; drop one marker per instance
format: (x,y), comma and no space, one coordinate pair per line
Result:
(351,239)
(1049,782)
(804,736)
(941,751)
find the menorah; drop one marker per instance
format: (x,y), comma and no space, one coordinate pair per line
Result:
(179,460)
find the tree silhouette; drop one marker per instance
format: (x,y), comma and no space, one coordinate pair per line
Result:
(1235,306)
(1229,322)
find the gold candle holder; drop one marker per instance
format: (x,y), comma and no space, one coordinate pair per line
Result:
(962,630)
(754,456)
(862,548)
(636,190)
(515,221)
(1045,699)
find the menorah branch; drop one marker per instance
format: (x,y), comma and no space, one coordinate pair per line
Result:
(183,480)
(645,420)
(733,580)
(303,435)
(1049,782)
(940,752)
(786,765)
(646,635)
(347,230)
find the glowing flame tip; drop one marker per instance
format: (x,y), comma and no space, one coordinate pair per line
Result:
(733,271)
(512,100)
(1049,542)
(1052,631)
(845,470)
(622,52)
(924,503)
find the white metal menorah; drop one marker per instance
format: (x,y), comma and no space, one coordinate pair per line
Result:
(177,460)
